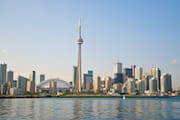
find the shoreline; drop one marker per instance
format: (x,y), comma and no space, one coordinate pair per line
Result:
(79,96)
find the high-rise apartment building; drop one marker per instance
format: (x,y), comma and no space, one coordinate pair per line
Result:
(131,85)
(138,73)
(118,78)
(166,83)
(75,78)
(146,81)
(3,71)
(118,75)
(152,85)
(33,81)
(10,76)
(88,80)
(22,84)
(97,84)
(133,67)
(42,77)
(118,68)
(127,72)
(108,82)
(156,73)
(140,86)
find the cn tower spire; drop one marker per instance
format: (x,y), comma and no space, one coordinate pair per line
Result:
(79,42)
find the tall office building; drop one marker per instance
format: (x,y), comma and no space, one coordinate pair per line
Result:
(127,73)
(138,73)
(140,86)
(14,84)
(42,77)
(133,67)
(118,75)
(131,85)
(166,83)
(75,79)
(79,42)
(152,85)
(118,78)
(108,82)
(156,73)
(118,68)
(28,86)
(88,80)
(22,84)
(33,81)
(97,84)
(3,71)
(146,81)
(10,76)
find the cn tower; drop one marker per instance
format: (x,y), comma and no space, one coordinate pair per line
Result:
(79,42)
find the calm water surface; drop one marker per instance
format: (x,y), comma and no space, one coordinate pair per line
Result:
(90,109)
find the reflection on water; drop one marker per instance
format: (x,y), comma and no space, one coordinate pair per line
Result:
(90,109)
(77,109)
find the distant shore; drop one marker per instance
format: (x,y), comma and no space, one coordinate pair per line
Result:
(79,96)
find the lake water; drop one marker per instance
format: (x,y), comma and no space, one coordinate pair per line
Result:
(90,109)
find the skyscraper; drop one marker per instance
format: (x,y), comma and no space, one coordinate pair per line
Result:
(127,73)
(146,81)
(3,70)
(75,79)
(88,80)
(133,67)
(79,42)
(97,84)
(42,77)
(10,76)
(140,86)
(152,85)
(166,83)
(156,73)
(108,82)
(131,85)
(138,73)
(118,68)
(22,84)
(118,75)
(118,78)
(33,81)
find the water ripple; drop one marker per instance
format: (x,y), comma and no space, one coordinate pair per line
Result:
(89,109)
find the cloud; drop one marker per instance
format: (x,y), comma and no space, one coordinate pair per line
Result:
(173,61)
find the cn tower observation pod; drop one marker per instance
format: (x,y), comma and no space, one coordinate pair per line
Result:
(54,86)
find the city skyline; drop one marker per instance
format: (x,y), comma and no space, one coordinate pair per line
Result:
(41,36)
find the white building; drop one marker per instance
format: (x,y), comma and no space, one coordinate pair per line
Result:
(156,73)
(138,73)
(131,85)
(108,82)
(118,68)
(97,84)
(152,85)
(140,86)
(54,86)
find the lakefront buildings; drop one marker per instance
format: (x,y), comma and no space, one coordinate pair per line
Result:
(128,80)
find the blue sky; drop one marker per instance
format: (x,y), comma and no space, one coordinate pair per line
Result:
(41,35)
